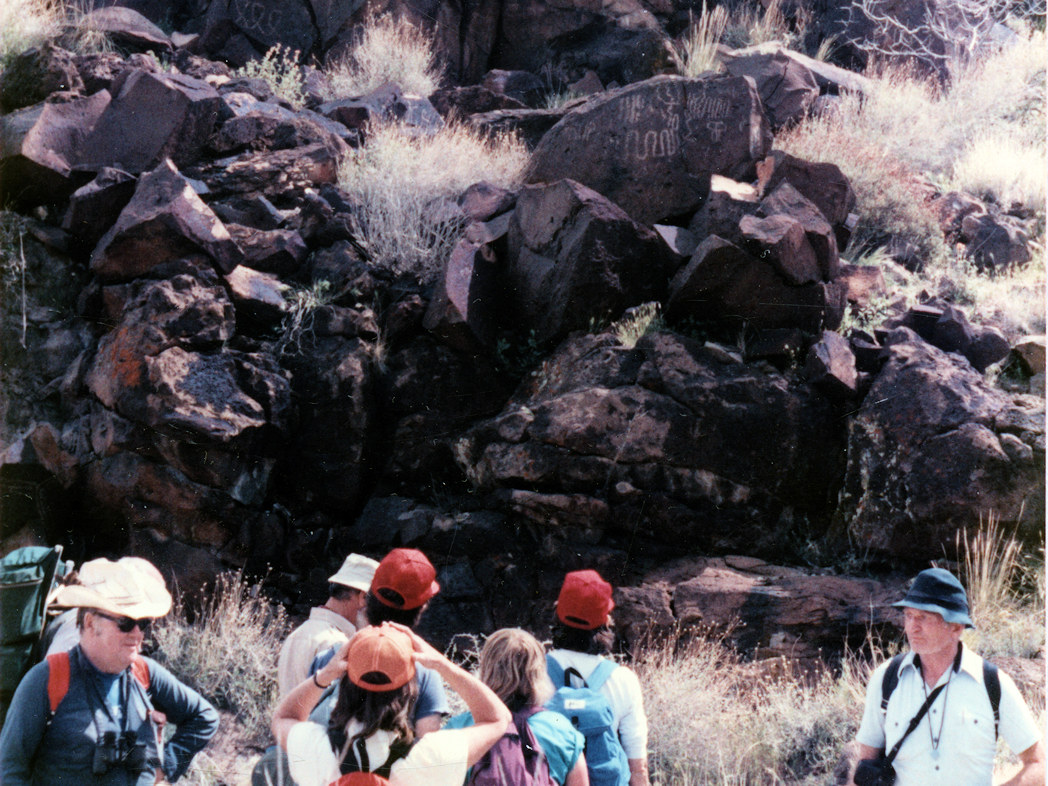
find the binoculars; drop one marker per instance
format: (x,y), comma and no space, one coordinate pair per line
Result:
(119,749)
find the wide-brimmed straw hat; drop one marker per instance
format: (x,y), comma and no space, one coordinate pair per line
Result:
(130,587)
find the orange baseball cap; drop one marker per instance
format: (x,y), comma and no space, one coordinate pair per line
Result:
(405,579)
(380,659)
(585,600)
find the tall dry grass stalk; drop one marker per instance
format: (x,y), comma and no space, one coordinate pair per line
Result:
(390,49)
(229,651)
(1005,593)
(28,23)
(408,182)
(697,52)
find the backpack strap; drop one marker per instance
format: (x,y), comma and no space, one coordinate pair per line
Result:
(992,683)
(555,671)
(362,763)
(57,679)
(891,679)
(601,673)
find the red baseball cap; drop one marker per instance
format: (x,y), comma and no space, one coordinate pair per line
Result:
(405,579)
(585,600)
(380,659)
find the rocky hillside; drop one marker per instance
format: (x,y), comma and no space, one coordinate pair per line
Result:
(630,359)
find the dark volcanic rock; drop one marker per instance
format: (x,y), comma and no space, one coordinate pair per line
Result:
(574,256)
(95,207)
(37,73)
(152,117)
(787,88)
(925,454)
(128,29)
(40,145)
(165,220)
(651,147)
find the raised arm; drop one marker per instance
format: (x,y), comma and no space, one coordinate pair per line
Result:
(296,706)
(490,715)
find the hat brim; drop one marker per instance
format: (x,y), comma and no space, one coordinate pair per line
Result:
(78,596)
(357,585)
(958,617)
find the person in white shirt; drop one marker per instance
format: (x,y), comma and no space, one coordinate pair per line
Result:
(370,729)
(955,740)
(582,637)
(329,625)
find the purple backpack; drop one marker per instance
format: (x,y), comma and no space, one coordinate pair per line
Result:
(515,760)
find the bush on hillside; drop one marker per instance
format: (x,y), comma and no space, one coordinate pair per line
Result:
(390,49)
(408,183)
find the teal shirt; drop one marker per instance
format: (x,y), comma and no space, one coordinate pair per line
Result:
(560,741)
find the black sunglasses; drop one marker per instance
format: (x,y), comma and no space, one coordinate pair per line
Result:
(127,624)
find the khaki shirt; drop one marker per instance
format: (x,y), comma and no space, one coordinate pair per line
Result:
(323,629)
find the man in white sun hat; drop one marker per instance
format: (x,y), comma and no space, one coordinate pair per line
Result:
(94,714)
(329,625)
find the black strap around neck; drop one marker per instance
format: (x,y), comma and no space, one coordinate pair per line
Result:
(362,763)
(916,720)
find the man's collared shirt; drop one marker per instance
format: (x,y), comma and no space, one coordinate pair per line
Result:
(965,753)
(323,629)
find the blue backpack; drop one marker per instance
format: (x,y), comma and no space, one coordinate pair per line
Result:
(589,712)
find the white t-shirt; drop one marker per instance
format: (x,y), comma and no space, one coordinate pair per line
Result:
(438,759)
(623,692)
(324,629)
(966,746)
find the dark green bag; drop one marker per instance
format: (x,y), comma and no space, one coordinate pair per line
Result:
(27,576)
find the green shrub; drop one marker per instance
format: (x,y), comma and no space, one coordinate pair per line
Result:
(390,49)
(406,183)
(279,69)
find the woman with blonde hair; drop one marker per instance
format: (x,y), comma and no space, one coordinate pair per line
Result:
(513,665)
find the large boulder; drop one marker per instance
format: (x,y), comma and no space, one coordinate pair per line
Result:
(40,146)
(574,257)
(652,147)
(128,29)
(37,73)
(164,221)
(260,24)
(153,116)
(764,610)
(662,441)
(928,454)
(787,88)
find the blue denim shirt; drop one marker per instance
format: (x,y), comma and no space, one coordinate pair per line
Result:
(37,752)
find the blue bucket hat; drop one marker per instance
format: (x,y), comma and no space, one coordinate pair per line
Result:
(939,591)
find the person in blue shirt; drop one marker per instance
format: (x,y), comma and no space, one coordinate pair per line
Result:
(94,715)
(513,665)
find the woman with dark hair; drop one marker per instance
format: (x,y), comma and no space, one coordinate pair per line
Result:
(370,728)
(513,664)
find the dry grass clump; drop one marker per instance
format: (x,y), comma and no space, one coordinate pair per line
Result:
(408,182)
(390,49)
(697,51)
(1006,593)
(229,651)
(714,720)
(28,23)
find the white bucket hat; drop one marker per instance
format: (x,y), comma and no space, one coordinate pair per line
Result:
(130,587)
(356,572)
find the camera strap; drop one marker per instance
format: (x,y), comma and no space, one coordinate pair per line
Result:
(913,723)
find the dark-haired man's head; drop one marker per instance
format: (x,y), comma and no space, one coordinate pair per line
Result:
(403,584)
(584,607)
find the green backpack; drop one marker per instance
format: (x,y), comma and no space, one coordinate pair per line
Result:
(27,577)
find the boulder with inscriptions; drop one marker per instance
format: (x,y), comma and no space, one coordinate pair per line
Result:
(574,256)
(263,24)
(40,145)
(164,221)
(652,147)
(153,116)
